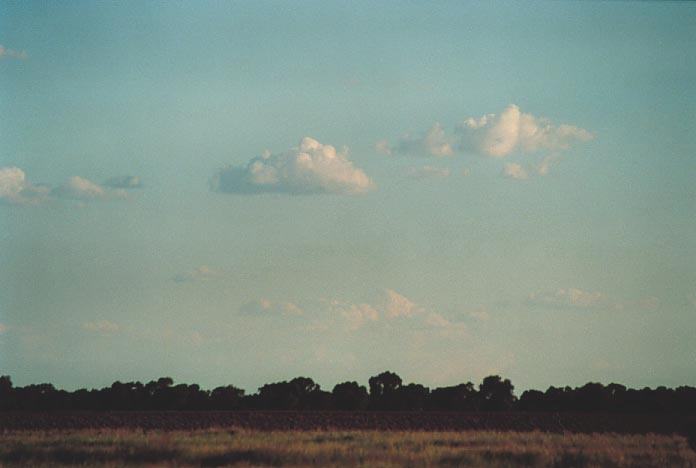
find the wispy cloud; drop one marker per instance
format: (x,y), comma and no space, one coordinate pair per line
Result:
(200,273)
(309,168)
(12,53)
(266,307)
(428,172)
(434,142)
(101,326)
(124,182)
(515,171)
(568,297)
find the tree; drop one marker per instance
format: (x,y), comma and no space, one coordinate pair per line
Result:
(350,396)
(496,394)
(462,397)
(383,388)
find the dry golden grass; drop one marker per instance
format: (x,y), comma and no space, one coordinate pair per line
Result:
(340,448)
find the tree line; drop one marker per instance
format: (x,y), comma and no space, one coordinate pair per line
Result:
(385,392)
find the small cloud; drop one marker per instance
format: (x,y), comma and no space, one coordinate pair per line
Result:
(201,273)
(266,307)
(434,142)
(515,171)
(428,172)
(3,328)
(15,189)
(546,163)
(444,325)
(356,315)
(568,297)
(79,188)
(382,146)
(480,313)
(101,326)
(124,182)
(465,172)
(11,53)
(644,303)
(310,168)
(396,305)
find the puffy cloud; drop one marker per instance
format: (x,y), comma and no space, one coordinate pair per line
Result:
(124,182)
(428,172)
(310,168)
(494,135)
(267,307)
(435,142)
(200,273)
(101,326)
(568,297)
(515,131)
(11,53)
(16,189)
(515,171)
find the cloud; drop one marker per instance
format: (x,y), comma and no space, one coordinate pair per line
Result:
(11,53)
(16,189)
(393,308)
(396,305)
(568,297)
(265,307)
(480,313)
(200,273)
(310,168)
(515,171)
(428,172)
(3,328)
(124,182)
(434,142)
(515,131)
(79,188)
(101,326)
(355,314)
(494,135)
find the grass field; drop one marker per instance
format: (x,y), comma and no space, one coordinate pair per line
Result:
(241,447)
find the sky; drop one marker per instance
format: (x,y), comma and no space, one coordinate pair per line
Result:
(245,192)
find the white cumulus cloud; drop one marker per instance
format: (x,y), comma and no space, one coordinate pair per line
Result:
(16,189)
(310,168)
(515,131)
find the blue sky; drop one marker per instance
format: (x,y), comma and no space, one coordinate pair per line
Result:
(231,192)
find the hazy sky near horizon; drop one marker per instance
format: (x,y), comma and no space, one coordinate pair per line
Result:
(228,192)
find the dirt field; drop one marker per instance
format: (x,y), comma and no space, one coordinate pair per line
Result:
(383,421)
